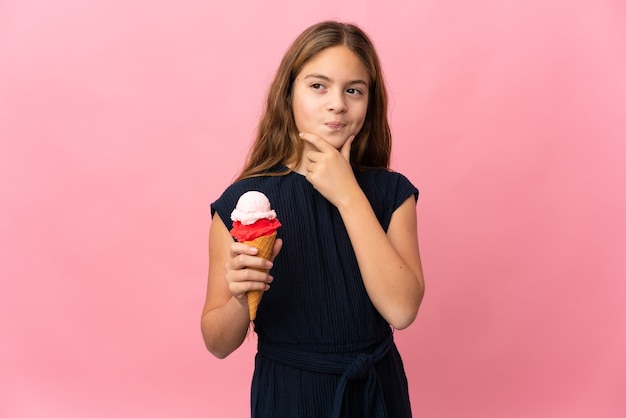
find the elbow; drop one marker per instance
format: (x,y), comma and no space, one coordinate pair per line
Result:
(403,320)
(404,316)
(215,344)
(216,349)
(219,354)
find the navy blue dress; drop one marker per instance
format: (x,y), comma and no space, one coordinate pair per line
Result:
(323,349)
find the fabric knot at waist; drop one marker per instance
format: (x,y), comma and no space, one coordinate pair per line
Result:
(348,367)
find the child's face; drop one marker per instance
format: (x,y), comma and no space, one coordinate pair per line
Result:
(330,95)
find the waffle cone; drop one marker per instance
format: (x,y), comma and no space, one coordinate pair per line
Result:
(265,245)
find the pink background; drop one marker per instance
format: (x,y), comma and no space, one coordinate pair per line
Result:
(120,121)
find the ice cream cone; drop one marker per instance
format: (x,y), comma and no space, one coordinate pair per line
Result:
(265,244)
(255,224)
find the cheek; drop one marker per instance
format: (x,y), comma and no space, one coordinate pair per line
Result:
(298,116)
(302,111)
(362,115)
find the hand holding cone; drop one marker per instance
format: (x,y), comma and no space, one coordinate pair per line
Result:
(255,224)
(265,245)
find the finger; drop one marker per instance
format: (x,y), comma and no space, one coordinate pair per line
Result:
(345,148)
(241,281)
(253,277)
(313,156)
(245,256)
(242,287)
(318,142)
(237,248)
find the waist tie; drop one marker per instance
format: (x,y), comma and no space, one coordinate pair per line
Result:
(359,368)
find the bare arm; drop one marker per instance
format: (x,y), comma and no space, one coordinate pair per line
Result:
(225,317)
(389,262)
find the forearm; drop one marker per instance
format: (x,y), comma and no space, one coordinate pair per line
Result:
(394,286)
(224,328)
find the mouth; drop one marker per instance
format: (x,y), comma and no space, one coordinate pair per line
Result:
(335,126)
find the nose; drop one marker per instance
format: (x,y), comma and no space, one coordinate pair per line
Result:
(336,101)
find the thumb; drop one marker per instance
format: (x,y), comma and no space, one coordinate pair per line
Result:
(278,245)
(345,148)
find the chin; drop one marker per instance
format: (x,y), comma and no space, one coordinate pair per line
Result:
(337,139)
(337,145)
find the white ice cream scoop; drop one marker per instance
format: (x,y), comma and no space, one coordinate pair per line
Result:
(251,207)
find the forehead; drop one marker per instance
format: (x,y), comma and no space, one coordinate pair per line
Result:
(337,62)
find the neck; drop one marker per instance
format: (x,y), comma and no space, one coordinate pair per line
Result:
(300,166)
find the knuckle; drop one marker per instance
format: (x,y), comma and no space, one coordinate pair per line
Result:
(247,274)
(239,259)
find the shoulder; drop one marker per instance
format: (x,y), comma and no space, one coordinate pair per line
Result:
(225,204)
(386,191)
(386,183)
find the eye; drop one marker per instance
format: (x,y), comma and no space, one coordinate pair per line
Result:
(354,91)
(317,86)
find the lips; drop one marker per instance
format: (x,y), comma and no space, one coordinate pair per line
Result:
(335,125)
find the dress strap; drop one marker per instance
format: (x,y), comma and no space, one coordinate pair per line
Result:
(350,368)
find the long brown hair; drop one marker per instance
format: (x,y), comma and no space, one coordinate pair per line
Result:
(277,141)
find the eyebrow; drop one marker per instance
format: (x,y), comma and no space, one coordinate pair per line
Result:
(323,77)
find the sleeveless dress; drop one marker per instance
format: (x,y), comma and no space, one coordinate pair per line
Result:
(323,348)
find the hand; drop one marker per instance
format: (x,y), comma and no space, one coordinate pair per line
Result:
(329,169)
(245,271)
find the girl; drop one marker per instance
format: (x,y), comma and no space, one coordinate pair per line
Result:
(346,268)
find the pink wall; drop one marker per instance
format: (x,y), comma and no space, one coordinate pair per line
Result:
(121,121)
